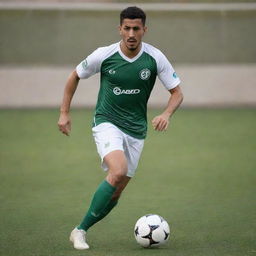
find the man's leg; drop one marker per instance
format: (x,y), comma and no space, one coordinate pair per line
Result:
(117,165)
(106,196)
(114,200)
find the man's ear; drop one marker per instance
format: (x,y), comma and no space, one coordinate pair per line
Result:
(119,29)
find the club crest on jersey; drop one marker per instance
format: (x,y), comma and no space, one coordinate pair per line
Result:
(119,91)
(111,71)
(145,74)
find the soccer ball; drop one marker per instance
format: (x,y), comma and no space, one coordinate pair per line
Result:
(151,230)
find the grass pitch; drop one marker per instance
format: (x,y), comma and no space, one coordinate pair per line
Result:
(199,175)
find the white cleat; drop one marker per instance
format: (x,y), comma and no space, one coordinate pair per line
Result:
(77,237)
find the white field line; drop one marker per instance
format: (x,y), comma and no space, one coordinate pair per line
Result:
(120,6)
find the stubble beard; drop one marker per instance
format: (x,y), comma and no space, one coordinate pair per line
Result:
(133,48)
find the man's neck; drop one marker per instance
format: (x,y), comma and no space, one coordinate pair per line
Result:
(129,53)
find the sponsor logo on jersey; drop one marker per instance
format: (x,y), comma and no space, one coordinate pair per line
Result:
(119,91)
(111,71)
(175,75)
(84,64)
(145,74)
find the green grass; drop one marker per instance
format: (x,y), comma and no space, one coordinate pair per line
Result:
(199,175)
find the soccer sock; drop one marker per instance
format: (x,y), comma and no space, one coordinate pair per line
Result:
(103,214)
(99,203)
(108,208)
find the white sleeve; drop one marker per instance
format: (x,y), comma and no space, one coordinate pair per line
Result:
(166,73)
(91,65)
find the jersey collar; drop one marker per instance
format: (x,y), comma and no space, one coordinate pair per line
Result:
(135,57)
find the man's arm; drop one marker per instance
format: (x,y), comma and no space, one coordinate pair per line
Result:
(161,122)
(64,122)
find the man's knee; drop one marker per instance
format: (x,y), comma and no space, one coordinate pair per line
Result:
(116,178)
(117,164)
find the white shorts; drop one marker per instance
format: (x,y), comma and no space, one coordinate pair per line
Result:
(109,138)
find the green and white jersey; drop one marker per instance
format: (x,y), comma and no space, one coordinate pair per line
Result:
(126,84)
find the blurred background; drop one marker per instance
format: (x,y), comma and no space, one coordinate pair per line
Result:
(211,45)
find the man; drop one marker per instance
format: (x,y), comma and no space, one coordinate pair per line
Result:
(128,71)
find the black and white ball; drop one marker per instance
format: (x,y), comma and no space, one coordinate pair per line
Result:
(151,230)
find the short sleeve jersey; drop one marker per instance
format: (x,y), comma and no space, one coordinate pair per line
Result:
(126,84)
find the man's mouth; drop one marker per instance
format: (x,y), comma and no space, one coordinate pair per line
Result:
(131,41)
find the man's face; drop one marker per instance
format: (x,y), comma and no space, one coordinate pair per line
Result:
(132,31)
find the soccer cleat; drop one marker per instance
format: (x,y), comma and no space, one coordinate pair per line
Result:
(77,237)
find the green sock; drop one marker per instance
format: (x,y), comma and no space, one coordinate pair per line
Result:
(99,203)
(108,208)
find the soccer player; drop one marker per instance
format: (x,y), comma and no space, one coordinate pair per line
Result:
(128,72)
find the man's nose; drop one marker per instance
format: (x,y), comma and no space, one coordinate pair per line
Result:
(131,33)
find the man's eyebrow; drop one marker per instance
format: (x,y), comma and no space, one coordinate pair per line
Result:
(134,27)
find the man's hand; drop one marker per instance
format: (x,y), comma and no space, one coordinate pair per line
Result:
(161,122)
(64,123)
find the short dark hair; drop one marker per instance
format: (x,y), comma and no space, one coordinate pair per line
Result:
(133,12)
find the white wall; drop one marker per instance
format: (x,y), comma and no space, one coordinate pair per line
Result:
(208,85)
